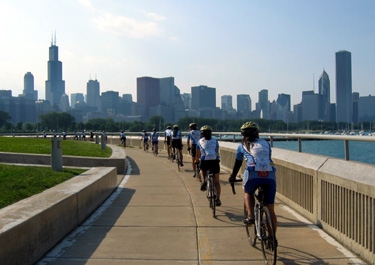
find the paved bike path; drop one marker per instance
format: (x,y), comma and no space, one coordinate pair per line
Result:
(158,215)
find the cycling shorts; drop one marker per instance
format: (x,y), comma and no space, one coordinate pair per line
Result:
(168,140)
(193,150)
(155,142)
(213,165)
(177,144)
(251,185)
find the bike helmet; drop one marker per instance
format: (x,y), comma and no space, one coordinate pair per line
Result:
(144,131)
(250,128)
(175,126)
(192,126)
(206,132)
(169,127)
(154,130)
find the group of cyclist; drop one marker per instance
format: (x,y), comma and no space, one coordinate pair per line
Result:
(204,148)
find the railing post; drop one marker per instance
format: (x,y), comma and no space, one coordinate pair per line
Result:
(299,145)
(346,146)
(271,141)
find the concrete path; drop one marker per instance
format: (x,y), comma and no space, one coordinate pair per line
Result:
(158,215)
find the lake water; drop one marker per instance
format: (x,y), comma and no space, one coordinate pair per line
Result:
(358,151)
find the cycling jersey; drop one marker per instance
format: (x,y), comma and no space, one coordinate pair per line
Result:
(194,136)
(258,158)
(176,135)
(122,135)
(155,137)
(209,149)
(145,137)
(168,133)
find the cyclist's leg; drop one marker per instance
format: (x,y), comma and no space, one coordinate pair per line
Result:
(157,147)
(180,151)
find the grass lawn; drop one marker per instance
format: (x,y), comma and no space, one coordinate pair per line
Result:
(20,182)
(43,146)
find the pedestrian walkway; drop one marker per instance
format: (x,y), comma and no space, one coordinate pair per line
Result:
(158,215)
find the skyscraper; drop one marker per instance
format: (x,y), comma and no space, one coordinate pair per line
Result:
(148,94)
(226,102)
(75,98)
(243,103)
(28,87)
(325,98)
(55,85)
(344,100)
(263,105)
(93,94)
(167,91)
(203,97)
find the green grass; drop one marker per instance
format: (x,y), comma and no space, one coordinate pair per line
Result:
(43,146)
(20,182)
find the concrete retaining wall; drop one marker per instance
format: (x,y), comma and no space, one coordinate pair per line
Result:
(117,159)
(31,227)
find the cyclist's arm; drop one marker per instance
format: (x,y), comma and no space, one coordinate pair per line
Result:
(236,167)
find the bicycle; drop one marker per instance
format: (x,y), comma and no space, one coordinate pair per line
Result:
(263,228)
(178,159)
(146,147)
(197,170)
(123,142)
(211,191)
(170,153)
(155,150)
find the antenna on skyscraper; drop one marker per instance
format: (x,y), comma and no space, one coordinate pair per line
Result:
(55,38)
(314,82)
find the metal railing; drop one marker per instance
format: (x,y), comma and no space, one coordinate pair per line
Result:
(236,137)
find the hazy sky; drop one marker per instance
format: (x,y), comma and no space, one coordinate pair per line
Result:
(235,46)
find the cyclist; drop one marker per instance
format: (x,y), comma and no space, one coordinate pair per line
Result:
(167,139)
(192,138)
(123,138)
(177,142)
(257,153)
(145,139)
(208,152)
(155,140)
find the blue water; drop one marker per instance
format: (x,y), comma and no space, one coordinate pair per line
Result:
(358,151)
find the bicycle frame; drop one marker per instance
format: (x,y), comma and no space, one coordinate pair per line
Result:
(211,191)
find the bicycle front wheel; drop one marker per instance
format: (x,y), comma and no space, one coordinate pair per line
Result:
(269,245)
(250,230)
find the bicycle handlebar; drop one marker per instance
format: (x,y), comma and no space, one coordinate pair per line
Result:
(232,185)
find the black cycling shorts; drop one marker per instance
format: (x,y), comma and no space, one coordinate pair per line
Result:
(176,143)
(193,150)
(213,165)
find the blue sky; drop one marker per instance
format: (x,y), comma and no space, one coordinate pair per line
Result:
(238,47)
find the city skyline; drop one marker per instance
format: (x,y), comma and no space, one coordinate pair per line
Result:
(242,46)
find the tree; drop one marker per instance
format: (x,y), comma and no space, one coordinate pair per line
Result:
(57,121)
(4,118)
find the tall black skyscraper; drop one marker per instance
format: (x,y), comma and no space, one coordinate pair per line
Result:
(55,86)
(344,100)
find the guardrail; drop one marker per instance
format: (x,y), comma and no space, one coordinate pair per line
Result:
(236,137)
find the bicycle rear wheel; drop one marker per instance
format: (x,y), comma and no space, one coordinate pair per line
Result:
(269,245)
(250,230)
(178,159)
(211,193)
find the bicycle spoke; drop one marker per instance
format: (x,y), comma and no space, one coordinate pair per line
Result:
(269,245)
(251,231)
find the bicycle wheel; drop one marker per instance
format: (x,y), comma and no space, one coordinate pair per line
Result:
(251,230)
(269,245)
(211,195)
(178,159)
